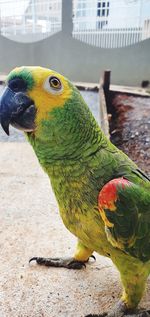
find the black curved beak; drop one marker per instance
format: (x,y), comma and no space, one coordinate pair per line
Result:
(17,109)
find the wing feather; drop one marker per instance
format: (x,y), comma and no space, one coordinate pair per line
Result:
(125,210)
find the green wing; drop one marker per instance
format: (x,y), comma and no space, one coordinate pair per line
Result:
(126,214)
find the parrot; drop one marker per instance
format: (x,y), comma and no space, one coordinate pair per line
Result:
(103,197)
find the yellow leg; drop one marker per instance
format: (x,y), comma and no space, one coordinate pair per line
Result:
(82,253)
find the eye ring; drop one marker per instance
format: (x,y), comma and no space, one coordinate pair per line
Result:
(55,83)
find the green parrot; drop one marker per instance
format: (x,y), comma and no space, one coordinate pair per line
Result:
(103,197)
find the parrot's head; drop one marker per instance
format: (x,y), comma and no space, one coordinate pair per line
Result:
(30,97)
(50,110)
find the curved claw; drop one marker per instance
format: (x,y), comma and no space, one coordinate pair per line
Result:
(39,260)
(93,257)
(33,259)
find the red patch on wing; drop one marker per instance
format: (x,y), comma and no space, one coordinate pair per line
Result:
(108,195)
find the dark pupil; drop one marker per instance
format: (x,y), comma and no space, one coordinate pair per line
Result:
(55,83)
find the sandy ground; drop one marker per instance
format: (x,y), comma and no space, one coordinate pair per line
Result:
(30,226)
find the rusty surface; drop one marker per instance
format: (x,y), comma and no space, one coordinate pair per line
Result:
(130,128)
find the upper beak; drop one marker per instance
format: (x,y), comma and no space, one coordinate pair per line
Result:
(17,109)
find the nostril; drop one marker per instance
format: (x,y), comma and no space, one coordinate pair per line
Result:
(17,84)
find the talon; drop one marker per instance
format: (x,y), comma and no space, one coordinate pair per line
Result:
(33,259)
(93,257)
(38,260)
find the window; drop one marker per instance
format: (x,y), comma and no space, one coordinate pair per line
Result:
(98,12)
(102,8)
(103,12)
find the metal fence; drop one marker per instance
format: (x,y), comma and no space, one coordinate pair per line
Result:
(110,38)
(111,24)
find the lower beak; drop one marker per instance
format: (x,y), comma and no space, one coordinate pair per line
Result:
(17,109)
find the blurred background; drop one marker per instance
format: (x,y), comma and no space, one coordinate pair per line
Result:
(97,22)
(80,38)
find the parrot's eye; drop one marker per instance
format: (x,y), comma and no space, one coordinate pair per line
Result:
(53,85)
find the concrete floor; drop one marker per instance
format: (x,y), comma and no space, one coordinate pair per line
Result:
(30,226)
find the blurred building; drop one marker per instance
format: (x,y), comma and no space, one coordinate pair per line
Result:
(113,23)
(102,23)
(91,14)
(28,17)
(97,14)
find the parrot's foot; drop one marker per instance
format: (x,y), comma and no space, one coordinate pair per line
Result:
(121,310)
(69,263)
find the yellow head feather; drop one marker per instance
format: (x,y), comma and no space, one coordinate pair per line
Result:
(45,99)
